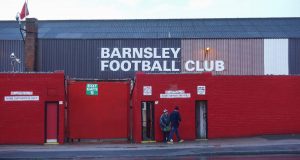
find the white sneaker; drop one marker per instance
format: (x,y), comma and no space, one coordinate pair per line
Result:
(170,142)
(181,141)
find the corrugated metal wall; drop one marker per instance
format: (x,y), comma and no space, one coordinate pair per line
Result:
(81,58)
(241,56)
(294,56)
(276,56)
(6,48)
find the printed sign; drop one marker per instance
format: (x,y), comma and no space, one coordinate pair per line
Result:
(21,93)
(147,90)
(201,90)
(175,94)
(92,89)
(21,98)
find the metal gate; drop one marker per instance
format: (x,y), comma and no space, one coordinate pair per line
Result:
(98,109)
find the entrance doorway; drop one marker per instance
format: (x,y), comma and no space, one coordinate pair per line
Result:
(51,122)
(147,109)
(201,119)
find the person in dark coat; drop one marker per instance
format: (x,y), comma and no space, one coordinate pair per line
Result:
(165,125)
(175,119)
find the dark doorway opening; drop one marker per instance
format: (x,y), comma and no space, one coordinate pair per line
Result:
(201,119)
(147,111)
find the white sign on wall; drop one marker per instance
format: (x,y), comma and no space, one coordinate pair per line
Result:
(21,98)
(21,93)
(175,94)
(201,90)
(147,90)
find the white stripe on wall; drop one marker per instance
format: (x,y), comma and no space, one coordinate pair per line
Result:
(276,57)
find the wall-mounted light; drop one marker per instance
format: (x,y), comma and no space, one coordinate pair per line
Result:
(207,49)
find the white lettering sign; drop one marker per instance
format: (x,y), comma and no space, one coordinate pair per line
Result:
(139,53)
(21,93)
(175,94)
(186,95)
(21,98)
(152,60)
(201,66)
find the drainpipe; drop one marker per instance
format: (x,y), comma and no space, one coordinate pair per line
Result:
(132,85)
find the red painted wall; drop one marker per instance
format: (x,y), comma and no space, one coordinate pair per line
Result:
(100,117)
(160,83)
(238,106)
(23,122)
(254,105)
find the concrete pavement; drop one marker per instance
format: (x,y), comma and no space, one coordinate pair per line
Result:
(276,144)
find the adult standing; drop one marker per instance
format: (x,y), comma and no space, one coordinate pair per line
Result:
(175,119)
(165,124)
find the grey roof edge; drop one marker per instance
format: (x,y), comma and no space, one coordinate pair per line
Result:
(179,28)
(227,18)
(164,19)
(208,28)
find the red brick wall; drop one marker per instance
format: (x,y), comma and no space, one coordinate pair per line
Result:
(23,122)
(100,117)
(238,106)
(31,44)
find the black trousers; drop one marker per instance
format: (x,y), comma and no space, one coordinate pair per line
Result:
(166,136)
